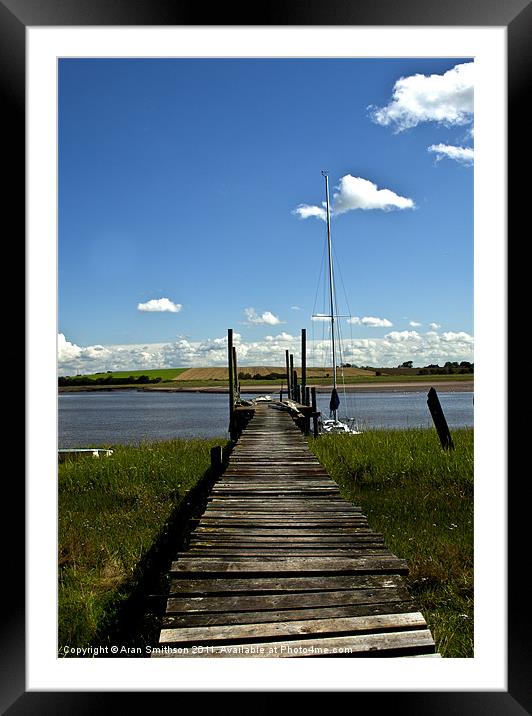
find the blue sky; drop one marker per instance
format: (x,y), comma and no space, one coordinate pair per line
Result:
(181,180)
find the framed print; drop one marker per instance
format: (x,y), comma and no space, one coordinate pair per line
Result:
(42,42)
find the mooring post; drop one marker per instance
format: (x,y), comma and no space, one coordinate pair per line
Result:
(287,374)
(307,395)
(296,386)
(292,384)
(231,381)
(314,411)
(216,459)
(439,420)
(235,369)
(303,362)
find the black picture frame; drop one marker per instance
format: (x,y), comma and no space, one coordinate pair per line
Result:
(15,17)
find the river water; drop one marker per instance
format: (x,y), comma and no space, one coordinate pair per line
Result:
(129,417)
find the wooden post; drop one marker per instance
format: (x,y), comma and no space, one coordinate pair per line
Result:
(231,380)
(236,384)
(307,395)
(439,420)
(295,386)
(314,411)
(287,375)
(292,384)
(303,362)
(216,459)
(306,422)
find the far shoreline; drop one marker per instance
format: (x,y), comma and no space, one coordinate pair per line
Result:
(462,386)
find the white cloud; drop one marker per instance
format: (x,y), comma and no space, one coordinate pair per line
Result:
(463,155)
(295,308)
(403,336)
(370,321)
(280,337)
(450,337)
(66,351)
(265,318)
(306,210)
(391,350)
(160,305)
(415,324)
(357,193)
(446,99)
(434,325)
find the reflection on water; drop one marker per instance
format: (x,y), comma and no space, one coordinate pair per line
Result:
(128,417)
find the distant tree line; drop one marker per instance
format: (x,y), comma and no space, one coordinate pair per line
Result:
(450,368)
(106,380)
(407,368)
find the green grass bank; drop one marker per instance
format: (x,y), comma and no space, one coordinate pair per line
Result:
(113,514)
(421,498)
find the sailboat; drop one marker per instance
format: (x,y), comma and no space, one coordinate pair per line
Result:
(333,424)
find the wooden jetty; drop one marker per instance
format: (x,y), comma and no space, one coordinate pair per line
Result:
(279,565)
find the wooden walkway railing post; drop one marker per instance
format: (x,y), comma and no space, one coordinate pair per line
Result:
(288,376)
(292,384)
(230,356)
(314,412)
(303,363)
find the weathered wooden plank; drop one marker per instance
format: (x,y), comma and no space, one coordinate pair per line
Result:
(223,541)
(398,643)
(285,514)
(285,551)
(325,504)
(412,620)
(296,523)
(281,532)
(326,519)
(284,585)
(374,564)
(227,604)
(197,619)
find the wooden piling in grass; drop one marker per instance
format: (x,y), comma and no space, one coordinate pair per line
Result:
(439,420)
(216,459)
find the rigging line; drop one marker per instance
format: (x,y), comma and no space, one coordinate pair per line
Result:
(342,282)
(322,263)
(340,336)
(318,286)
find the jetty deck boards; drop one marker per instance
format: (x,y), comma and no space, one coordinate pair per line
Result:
(280,565)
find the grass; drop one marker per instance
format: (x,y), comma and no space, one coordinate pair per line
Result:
(349,380)
(112,511)
(421,499)
(165,374)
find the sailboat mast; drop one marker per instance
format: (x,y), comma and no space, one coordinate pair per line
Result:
(331,280)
